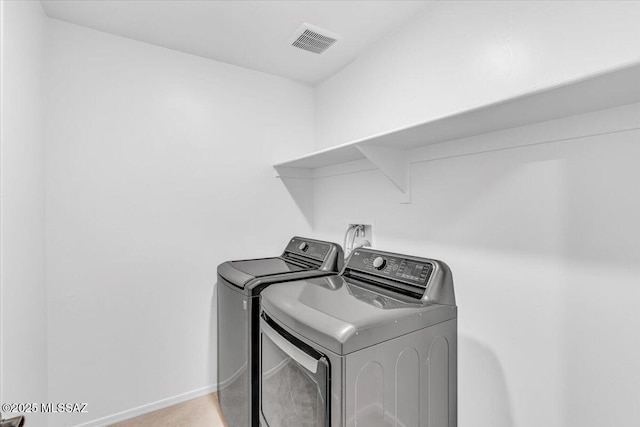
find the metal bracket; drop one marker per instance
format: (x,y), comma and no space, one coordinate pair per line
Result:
(393,163)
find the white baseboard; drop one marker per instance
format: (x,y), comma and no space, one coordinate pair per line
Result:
(150,407)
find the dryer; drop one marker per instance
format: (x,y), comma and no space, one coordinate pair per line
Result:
(374,346)
(238,290)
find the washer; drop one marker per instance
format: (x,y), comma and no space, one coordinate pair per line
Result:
(239,286)
(374,346)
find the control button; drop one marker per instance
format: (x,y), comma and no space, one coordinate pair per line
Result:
(379,263)
(304,246)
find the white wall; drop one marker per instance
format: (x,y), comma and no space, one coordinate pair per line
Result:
(158,169)
(463,54)
(544,245)
(23,352)
(543,241)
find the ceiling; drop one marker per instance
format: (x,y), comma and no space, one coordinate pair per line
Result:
(251,34)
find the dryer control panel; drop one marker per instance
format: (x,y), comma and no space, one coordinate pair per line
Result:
(412,271)
(426,280)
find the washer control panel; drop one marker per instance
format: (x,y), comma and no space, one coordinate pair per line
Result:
(308,248)
(409,270)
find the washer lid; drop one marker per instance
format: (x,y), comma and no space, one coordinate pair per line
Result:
(301,258)
(240,273)
(343,317)
(266,266)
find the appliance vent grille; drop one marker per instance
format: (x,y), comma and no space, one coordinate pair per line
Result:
(313,39)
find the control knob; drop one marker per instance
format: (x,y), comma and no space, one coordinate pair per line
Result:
(379,263)
(304,246)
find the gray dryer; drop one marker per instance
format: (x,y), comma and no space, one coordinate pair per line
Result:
(375,346)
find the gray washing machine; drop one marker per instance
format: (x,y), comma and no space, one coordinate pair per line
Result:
(374,346)
(239,286)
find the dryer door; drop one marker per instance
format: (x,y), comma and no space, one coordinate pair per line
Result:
(295,380)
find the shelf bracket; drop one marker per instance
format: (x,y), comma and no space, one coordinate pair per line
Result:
(299,184)
(393,163)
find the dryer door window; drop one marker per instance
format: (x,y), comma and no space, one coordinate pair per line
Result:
(295,380)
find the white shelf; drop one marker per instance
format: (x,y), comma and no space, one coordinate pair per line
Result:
(387,151)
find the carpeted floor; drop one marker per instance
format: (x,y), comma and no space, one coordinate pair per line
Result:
(201,412)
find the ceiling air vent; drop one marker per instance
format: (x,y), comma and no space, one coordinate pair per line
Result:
(314,39)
